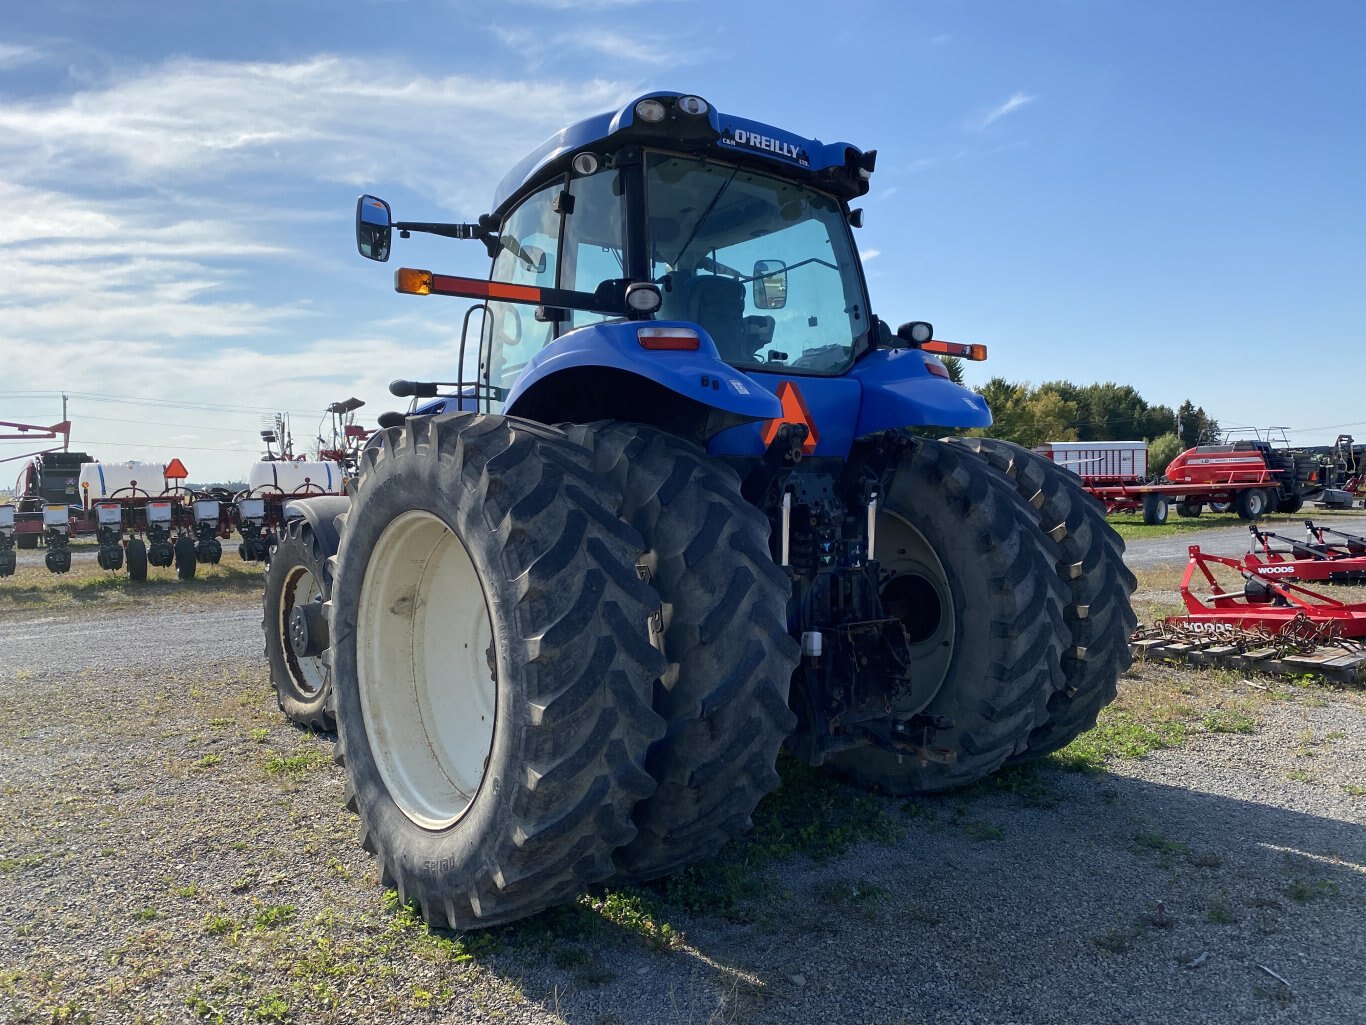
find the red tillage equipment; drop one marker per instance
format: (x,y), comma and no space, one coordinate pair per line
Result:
(1341,562)
(1266,604)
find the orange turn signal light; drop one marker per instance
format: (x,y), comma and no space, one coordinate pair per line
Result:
(413,282)
(959,349)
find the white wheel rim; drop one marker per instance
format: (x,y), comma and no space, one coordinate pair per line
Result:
(424,643)
(904,554)
(308,670)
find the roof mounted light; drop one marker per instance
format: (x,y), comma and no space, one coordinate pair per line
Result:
(644,297)
(917,332)
(650,111)
(586,163)
(693,106)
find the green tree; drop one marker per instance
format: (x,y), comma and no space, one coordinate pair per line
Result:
(1162,450)
(1197,428)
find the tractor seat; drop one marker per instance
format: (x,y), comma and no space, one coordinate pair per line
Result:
(717,305)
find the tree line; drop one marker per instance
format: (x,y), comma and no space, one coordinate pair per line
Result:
(1030,414)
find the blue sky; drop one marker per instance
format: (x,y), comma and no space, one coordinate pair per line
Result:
(1165,194)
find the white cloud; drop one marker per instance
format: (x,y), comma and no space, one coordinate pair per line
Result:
(662,51)
(330,118)
(869,254)
(14,56)
(1016,101)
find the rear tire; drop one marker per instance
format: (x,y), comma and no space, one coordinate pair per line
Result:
(1155,508)
(1290,505)
(298,577)
(136,552)
(724,633)
(491,668)
(1188,509)
(1250,504)
(1220,507)
(957,532)
(1089,557)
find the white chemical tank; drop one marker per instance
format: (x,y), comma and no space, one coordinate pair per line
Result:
(295,478)
(123,482)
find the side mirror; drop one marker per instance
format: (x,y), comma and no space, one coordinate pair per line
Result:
(770,284)
(374,228)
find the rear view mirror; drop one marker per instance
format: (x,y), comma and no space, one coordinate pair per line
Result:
(770,284)
(374,229)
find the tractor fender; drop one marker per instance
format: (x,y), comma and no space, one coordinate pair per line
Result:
(900,391)
(321,514)
(603,370)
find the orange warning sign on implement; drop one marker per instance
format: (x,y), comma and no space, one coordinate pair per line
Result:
(794,412)
(175,470)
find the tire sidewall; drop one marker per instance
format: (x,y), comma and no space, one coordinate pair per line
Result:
(296,549)
(458,850)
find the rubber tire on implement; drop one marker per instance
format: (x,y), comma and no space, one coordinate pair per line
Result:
(1155,509)
(1250,504)
(1089,557)
(1188,509)
(724,633)
(186,558)
(9,560)
(57,560)
(1290,504)
(1008,633)
(517,507)
(302,690)
(135,552)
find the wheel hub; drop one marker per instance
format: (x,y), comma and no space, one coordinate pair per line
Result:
(308,630)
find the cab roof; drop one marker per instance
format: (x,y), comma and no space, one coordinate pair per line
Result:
(690,124)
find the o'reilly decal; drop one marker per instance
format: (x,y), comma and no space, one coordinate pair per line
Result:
(753,140)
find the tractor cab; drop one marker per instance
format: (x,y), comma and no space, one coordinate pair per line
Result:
(734,234)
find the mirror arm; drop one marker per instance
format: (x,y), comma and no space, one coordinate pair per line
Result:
(473,231)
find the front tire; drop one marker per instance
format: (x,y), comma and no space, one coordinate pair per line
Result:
(1155,509)
(966,569)
(491,668)
(1089,558)
(724,633)
(298,583)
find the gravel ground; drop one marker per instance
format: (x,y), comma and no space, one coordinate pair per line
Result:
(171,850)
(1145,553)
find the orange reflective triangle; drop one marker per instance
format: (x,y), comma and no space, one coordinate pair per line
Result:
(794,412)
(175,470)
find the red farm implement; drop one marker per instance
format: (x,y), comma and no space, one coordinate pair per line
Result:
(1328,555)
(1268,625)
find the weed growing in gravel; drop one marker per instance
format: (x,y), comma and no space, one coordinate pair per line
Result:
(296,765)
(259,735)
(1220,911)
(1229,721)
(1354,790)
(207,761)
(21,863)
(1305,890)
(1118,734)
(810,814)
(1030,783)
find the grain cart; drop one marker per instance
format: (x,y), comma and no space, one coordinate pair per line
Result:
(685,514)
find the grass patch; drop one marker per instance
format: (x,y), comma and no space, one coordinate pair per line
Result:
(296,765)
(811,815)
(1229,721)
(1306,890)
(88,586)
(1118,734)
(1130,526)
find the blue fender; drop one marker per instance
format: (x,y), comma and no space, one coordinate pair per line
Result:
(698,375)
(886,389)
(899,391)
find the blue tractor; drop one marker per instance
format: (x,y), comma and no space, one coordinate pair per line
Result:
(686,512)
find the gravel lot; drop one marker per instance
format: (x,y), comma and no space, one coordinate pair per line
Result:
(171,850)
